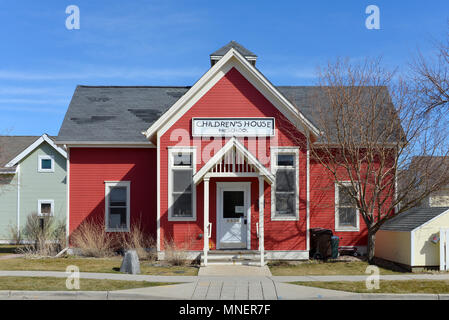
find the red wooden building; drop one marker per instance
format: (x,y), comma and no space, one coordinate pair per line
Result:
(211,167)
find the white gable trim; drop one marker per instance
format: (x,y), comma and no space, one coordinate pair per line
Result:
(33,146)
(233,142)
(232,59)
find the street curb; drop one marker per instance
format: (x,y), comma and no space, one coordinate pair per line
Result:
(114,295)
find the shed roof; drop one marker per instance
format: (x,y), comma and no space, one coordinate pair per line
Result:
(413,218)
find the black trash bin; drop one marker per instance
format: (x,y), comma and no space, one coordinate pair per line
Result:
(320,243)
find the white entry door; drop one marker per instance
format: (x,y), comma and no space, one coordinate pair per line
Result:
(233,215)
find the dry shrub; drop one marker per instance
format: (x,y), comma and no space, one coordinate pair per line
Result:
(14,234)
(137,240)
(92,239)
(44,235)
(175,255)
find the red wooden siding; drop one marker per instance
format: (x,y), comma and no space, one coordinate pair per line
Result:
(233,96)
(91,167)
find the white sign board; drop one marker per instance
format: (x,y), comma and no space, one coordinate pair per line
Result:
(233,127)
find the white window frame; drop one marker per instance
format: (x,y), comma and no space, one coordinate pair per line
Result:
(39,207)
(108,186)
(45,157)
(339,228)
(274,153)
(171,151)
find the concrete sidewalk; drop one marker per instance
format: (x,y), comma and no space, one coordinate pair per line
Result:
(218,287)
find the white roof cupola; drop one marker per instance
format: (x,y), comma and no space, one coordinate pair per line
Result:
(217,55)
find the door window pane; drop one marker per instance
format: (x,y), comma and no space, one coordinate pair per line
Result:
(233,201)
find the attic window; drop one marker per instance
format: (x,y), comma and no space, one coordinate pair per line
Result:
(46,164)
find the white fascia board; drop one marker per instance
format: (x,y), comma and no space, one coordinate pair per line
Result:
(219,69)
(33,146)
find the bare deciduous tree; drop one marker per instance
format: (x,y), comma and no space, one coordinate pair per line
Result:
(431,76)
(372,133)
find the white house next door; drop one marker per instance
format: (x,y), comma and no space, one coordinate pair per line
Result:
(233,215)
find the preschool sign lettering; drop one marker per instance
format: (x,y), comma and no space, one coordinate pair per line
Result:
(228,127)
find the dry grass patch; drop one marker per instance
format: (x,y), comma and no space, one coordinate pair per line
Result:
(385,286)
(59,284)
(315,268)
(100,265)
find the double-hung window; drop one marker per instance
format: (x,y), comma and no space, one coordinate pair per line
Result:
(181,188)
(346,213)
(117,198)
(285,199)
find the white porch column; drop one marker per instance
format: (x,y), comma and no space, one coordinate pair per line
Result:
(261,221)
(206,219)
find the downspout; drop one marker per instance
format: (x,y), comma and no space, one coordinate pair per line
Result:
(18,201)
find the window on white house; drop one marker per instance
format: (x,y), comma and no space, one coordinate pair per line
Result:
(117,206)
(46,164)
(285,190)
(181,188)
(347,217)
(45,207)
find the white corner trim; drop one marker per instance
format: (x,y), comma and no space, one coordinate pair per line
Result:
(308,197)
(274,152)
(177,149)
(337,227)
(108,185)
(231,59)
(34,145)
(412,248)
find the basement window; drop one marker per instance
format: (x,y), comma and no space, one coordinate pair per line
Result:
(45,208)
(117,200)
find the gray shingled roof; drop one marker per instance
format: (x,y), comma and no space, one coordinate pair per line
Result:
(413,218)
(237,46)
(120,114)
(11,146)
(115,113)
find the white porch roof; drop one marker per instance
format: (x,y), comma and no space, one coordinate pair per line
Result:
(234,160)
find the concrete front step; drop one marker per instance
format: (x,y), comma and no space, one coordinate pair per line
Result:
(233,257)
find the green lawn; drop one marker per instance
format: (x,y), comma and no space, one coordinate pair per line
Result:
(59,284)
(399,286)
(102,265)
(315,268)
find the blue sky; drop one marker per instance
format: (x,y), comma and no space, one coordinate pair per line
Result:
(169,42)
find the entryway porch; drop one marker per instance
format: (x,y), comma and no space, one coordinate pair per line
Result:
(233,206)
